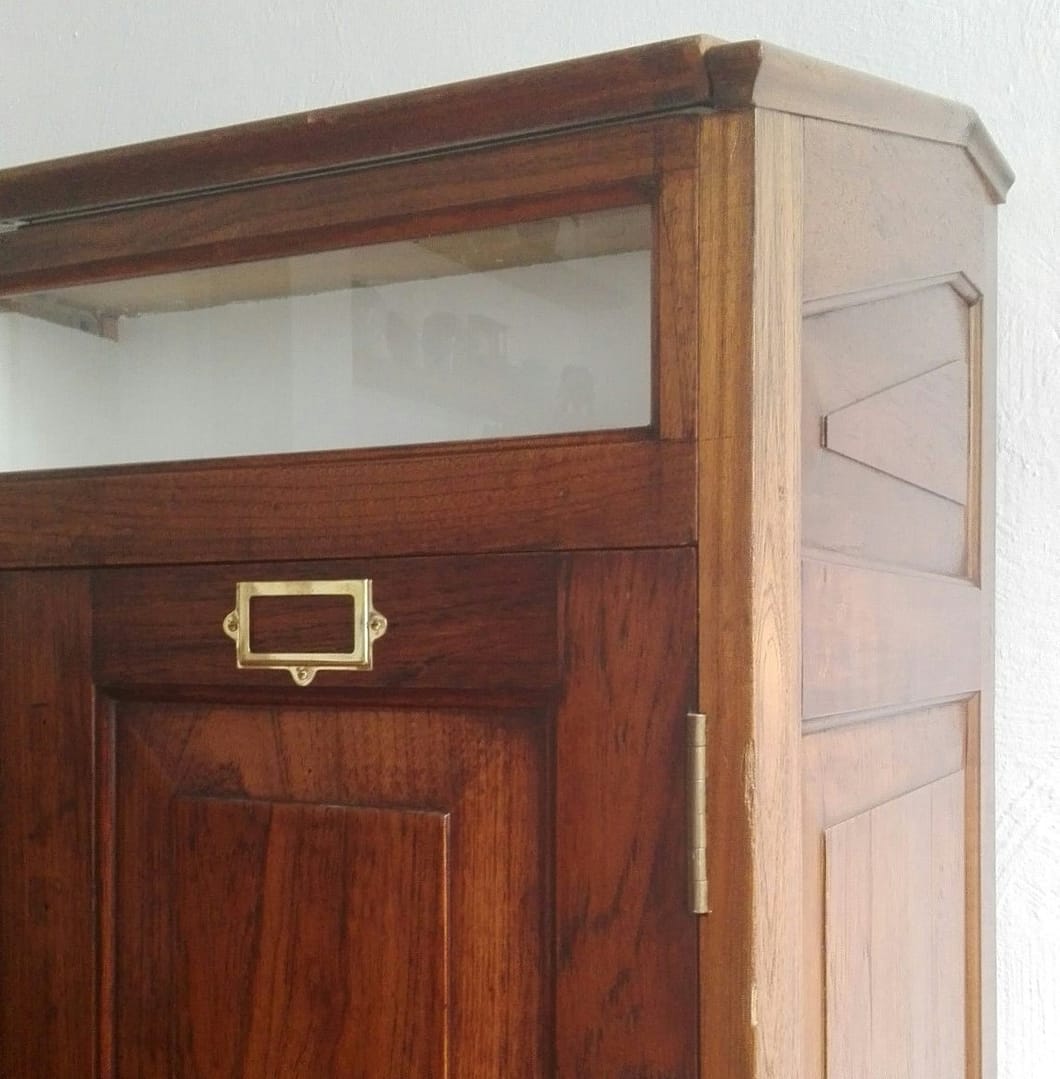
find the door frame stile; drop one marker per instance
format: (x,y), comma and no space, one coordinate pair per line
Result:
(749,616)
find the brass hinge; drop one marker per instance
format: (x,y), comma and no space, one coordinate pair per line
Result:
(697,813)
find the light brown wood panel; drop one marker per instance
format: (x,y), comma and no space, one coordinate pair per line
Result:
(882,209)
(886,465)
(277,812)
(857,765)
(916,431)
(895,938)
(857,511)
(847,772)
(878,638)
(746,73)
(47,892)
(750,226)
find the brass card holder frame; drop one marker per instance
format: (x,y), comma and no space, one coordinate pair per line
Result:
(368,625)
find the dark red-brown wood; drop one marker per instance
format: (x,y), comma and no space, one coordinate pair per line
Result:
(471,861)
(627,493)
(315,892)
(609,87)
(47,786)
(163,626)
(495,185)
(626,944)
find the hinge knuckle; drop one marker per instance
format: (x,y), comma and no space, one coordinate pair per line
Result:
(697,813)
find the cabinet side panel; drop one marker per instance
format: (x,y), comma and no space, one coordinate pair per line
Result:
(982,973)
(47,900)
(882,208)
(897,449)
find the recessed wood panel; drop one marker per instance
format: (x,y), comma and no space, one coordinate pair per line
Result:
(306,937)
(886,429)
(895,938)
(847,772)
(324,892)
(876,638)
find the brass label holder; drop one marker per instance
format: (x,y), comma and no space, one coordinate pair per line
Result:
(368,625)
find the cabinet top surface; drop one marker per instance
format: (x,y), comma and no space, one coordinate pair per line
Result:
(694,73)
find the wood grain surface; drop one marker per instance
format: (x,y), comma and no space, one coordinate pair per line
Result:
(620,493)
(746,73)
(626,945)
(333,876)
(47,871)
(163,626)
(663,77)
(882,209)
(613,86)
(848,771)
(874,638)
(471,861)
(750,224)
(889,467)
(406,200)
(896,938)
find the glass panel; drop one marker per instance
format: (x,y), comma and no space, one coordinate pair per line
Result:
(535,328)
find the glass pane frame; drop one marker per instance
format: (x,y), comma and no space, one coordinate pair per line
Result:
(536,327)
(562,492)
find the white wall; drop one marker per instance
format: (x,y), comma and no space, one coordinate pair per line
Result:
(83,74)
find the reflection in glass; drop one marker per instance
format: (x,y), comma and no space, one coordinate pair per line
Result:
(535,328)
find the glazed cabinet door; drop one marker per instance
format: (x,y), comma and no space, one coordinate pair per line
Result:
(464,862)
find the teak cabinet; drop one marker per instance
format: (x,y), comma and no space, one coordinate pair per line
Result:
(641,388)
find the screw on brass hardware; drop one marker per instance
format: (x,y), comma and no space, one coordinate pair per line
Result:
(367,626)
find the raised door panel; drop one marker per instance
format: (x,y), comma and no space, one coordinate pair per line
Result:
(291,902)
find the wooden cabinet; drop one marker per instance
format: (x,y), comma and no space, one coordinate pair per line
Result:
(645,386)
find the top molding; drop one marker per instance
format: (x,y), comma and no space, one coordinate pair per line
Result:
(753,73)
(672,76)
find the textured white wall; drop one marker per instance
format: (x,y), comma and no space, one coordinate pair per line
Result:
(83,74)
